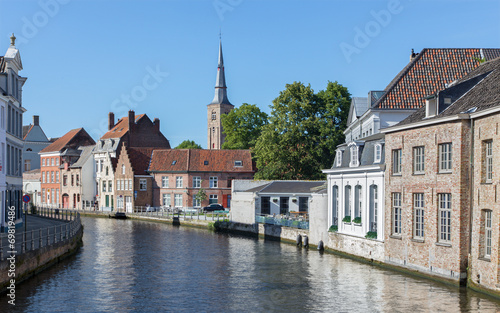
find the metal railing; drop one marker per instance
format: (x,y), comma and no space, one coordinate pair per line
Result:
(283,220)
(21,242)
(181,213)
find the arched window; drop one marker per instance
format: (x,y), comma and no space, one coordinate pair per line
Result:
(347,201)
(373,208)
(358,201)
(214,116)
(378,153)
(123,169)
(335,204)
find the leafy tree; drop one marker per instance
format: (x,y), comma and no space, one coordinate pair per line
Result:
(188,144)
(243,126)
(201,195)
(303,132)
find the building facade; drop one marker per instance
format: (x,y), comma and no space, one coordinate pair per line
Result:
(35,141)
(180,174)
(219,106)
(77,178)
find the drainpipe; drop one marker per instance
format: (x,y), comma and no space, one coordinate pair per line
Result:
(471,183)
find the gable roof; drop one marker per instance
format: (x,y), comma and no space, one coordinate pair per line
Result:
(193,160)
(429,72)
(121,128)
(86,152)
(289,186)
(359,106)
(140,159)
(62,143)
(475,92)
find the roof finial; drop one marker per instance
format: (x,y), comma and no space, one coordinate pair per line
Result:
(12,40)
(220,33)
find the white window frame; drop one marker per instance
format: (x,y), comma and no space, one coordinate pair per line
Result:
(178,200)
(339,158)
(197,182)
(143,184)
(238,163)
(214,182)
(419,160)
(166,200)
(444,207)
(358,201)
(213,197)
(178,182)
(196,202)
(418,216)
(377,157)
(397,156)
(488,161)
(164,182)
(488,232)
(130,186)
(354,156)
(445,160)
(123,169)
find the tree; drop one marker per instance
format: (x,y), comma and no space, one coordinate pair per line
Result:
(201,195)
(243,126)
(188,144)
(303,131)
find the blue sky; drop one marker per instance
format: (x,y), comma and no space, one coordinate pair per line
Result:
(84,59)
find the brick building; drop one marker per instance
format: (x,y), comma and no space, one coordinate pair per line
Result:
(131,131)
(134,185)
(52,158)
(77,178)
(179,174)
(429,188)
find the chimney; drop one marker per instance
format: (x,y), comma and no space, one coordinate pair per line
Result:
(111,120)
(156,123)
(413,55)
(36,120)
(131,120)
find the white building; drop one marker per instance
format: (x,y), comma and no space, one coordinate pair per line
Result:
(11,141)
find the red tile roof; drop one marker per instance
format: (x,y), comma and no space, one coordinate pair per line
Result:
(63,141)
(193,160)
(427,73)
(121,128)
(139,159)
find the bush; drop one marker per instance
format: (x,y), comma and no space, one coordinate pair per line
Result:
(357,220)
(333,228)
(371,234)
(346,219)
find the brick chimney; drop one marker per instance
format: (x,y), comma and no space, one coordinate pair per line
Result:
(131,120)
(156,123)
(111,120)
(36,120)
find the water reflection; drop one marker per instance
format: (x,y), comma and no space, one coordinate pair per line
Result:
(128,266)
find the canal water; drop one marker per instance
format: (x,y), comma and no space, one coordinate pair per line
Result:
(135,266)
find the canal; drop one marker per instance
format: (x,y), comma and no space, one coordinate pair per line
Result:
(135,266)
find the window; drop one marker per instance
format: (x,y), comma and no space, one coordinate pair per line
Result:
(107,171)
(197,182)
(103,185)
(57,177)
(52,177)
(487,234)
(265,205)
(164,181)
(110,184)
(396,213)
(130,184)
(65,180)
(238,163)
(174,162)
(166,199)
(347,199)
(214,116)
(418,160)
(445,158)
(196,202)
(52,161)
(213,181)
(284,201)
(444,200)
(358,203)
(57,161)
(72,180)
(43,195)
(418,214)
(373,208)
(27,165)
(119,202)
(378,153)
(488,161)
(43,177)
(205,162)
(126,184)
(335,204)
(213,199)
(303,204)
(354,156)
(178,200)
(101,164)
(396,161)
(178,182)
(123,169)
(43,161)
(97,166)
(143,184)
(78,181)
(338,158)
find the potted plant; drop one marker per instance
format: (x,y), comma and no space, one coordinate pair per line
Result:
(333,228)
(371,235)
(346,219)
(357,220)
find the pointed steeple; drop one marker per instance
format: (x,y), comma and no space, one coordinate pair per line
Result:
(220,82)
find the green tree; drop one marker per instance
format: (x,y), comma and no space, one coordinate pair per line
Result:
(303,132)
(188,144)
(243,126)
(201,195)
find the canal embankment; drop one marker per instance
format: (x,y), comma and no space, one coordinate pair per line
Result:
(49,238)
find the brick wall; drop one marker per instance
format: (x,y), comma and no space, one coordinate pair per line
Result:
(430,254)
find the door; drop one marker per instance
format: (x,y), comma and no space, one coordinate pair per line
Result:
(65,201)
(107,201)
(128,204)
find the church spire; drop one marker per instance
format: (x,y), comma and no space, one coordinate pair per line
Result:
(220,82)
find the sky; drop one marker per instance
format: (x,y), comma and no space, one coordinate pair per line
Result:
(86,58)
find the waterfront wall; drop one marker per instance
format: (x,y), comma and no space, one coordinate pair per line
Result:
(369,249)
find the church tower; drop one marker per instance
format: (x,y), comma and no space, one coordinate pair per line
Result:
(219,105)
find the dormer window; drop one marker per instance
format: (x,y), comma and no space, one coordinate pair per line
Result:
(238,163)
(431,107)
(354,156)
(338,158)
(377,153)
(174,161)
(205,163)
